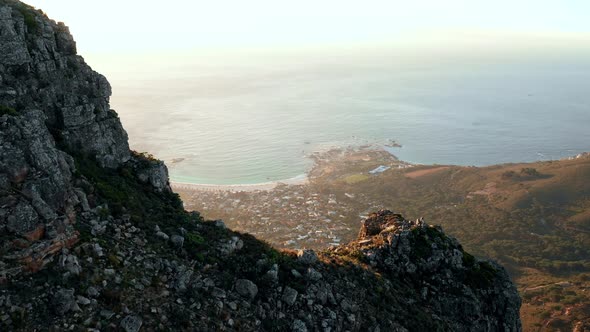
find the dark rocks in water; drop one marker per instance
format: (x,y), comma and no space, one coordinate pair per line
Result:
(393,144)
(93,237)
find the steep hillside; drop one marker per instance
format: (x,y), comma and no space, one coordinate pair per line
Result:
(92,237)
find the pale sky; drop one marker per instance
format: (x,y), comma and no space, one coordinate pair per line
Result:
(112,26)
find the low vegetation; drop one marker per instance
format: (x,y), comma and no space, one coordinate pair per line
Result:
(532,218)
(29,14)
(5,110)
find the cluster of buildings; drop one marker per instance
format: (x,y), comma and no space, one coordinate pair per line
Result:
(313,215)
(286,216)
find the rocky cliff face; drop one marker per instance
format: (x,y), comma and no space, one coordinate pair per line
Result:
(40,70)
(93,238)
(51,102)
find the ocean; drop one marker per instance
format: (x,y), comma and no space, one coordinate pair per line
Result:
(256,119)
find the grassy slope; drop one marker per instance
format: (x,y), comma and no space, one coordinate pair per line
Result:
(532,218)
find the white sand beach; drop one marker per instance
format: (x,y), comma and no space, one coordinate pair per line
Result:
(264,186)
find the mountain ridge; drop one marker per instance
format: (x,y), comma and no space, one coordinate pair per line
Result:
(93,237)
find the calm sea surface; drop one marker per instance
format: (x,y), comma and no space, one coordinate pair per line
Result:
(245,121)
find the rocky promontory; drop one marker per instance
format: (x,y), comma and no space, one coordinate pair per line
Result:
(92,238)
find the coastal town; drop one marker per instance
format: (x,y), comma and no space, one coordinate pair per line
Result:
(302,215)
(288,216)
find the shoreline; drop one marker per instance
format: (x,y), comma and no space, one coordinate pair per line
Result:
(262,186)
(303,179)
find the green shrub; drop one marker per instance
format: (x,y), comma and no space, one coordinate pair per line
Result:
(423,240)
(5,110)
(509,175)
(124,194)
(30,21)
(527,173)
(573,299)
(468,260)
(530,172)
(30,17)
(480,275)
(194,242)
(545,314)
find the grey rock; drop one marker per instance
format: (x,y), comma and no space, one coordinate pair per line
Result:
(106,314)
(218,293)
(156,174)
(177,241)
(92,292)
(232,245)
(13,50)
(82,300)
(246,288)
(83,199)
(298,326)
(313,275)
(131,323)
(289,296)
(70,263)
(64,301)
(183,279)
(307,256)
(97,250)
(273,274)
(162,235)
(23,220)
(98,229)
(296,273)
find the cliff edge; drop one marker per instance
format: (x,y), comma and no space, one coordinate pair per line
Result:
(92,238)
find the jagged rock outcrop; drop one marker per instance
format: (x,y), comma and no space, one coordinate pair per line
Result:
(39,69)
(461,289)
(92,238)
